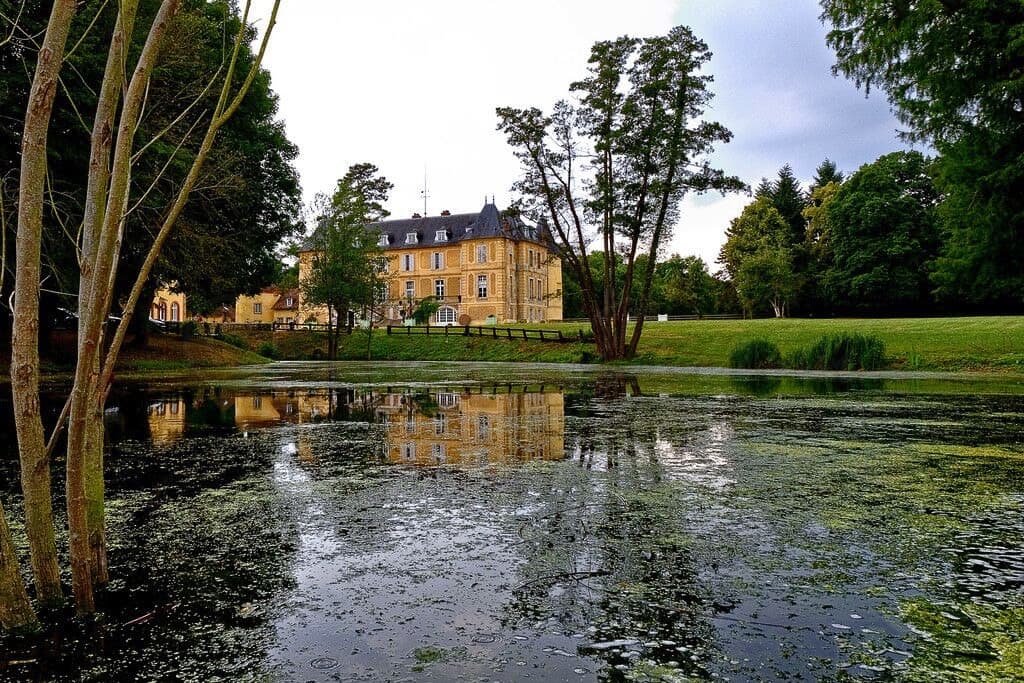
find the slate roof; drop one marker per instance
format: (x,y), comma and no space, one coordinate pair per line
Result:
(489,222)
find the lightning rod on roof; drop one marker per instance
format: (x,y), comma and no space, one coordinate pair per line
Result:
(424,192)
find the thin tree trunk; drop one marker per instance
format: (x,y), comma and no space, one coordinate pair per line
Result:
(87,374)
(95,489)
(35,465)
(15,608)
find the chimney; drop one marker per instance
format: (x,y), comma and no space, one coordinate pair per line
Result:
(446,212)
(416,215)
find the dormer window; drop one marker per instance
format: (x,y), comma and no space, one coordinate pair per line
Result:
(441,236)
(289,302)
(411,238)
(384,241)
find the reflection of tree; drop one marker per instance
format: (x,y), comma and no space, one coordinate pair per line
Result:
(616,385)
(209,408)
(605,553)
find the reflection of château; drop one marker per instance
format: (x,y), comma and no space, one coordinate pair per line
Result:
(472,428)
(424,426)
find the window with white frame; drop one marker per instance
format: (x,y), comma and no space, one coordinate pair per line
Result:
(382,291)
(411,238)
(447,399)
(440,423)
(409,451)
(439,452)
(437,260)
(439,288)
(446,315)
(481,286)
(289,302)
(481,253)
(381,264)
(441,236)
(257,308)
(410,289)
(408,262)
(383,241)
(483,426)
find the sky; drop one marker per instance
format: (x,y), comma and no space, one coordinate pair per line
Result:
(411,86)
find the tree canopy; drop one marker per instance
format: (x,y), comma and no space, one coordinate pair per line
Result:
(344,268)
(952,71)
(609,170)
(882,236)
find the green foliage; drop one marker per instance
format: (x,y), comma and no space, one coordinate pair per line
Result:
(844,351)
(758,256)
(268,350)
(952,71)
(683,286)
(344,272)
(234,340)
(882,236)
(827,172)
(757,354)
(425,309)
(635,127)
(188,329)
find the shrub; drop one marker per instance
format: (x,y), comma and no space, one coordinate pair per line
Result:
(842,352)
(757,354)
(268,350)
(234,340)
(188,329)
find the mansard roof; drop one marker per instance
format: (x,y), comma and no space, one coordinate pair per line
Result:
(488,222)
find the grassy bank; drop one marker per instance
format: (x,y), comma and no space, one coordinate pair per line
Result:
(952,344)
(164,354)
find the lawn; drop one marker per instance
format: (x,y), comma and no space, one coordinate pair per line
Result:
(972,343)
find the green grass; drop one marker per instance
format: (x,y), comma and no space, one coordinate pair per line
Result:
(948,344)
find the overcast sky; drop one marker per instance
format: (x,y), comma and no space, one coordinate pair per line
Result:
(411,86)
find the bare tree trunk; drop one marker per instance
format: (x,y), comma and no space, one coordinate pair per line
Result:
(35,465)
(95,488)
(15,608)
(87,390)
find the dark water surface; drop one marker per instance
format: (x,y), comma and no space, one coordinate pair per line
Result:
(402,522)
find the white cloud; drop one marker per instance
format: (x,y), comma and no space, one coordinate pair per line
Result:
(702,226)
(406,84)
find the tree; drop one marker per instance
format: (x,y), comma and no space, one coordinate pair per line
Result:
(345,267)
(609,171)
(685,285)
(827,172)
(951,70)
(758,256)
(882,234)
(107,203)
(789,200)
(818,245)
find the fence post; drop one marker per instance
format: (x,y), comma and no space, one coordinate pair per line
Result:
(389,329)
(466,332)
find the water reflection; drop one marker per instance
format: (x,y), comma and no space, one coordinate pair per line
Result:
(738,529)
(471,426)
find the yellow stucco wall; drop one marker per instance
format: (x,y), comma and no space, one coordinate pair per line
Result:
(256,309)
(523,281)
(169,306)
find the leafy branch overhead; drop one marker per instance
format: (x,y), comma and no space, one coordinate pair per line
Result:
(609,169)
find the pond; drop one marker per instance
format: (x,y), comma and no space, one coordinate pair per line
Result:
(405,522)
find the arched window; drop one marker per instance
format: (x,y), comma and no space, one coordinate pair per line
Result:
(446,315)
(175,312)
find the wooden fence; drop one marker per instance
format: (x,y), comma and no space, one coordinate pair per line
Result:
(490,332)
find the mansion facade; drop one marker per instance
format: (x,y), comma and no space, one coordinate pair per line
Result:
(480,268)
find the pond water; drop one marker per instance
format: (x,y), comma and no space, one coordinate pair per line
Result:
(401,522)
